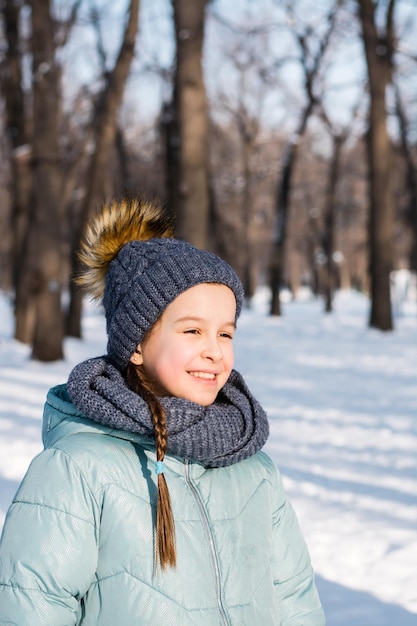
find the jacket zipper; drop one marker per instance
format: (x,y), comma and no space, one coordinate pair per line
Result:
(207,528)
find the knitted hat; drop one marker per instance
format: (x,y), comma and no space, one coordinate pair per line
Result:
(144,278)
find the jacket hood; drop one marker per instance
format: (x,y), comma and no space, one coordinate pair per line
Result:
(62,418)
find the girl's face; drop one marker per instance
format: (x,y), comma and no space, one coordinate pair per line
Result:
(189,351)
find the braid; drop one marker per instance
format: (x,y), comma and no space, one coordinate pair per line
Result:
(165,552)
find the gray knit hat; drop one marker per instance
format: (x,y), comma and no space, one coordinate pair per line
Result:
(144,278)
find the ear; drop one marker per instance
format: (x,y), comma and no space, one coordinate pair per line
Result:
(137,358)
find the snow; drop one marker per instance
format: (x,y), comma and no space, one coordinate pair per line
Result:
(342,402)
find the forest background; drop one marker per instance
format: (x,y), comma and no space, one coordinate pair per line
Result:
(281,133)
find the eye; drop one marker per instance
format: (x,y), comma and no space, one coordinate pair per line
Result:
(191,331)
(226,335)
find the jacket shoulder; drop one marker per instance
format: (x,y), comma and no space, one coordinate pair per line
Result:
(264,466)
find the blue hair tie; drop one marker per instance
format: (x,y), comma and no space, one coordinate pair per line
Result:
(159,467)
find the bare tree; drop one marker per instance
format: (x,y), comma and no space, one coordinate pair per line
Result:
(245,113)
(410,172)
(33,129)
(20,164)
(105,132)
(379,46)
(339,135)
(311,59)
(330,216)
(44,175)
(187,149)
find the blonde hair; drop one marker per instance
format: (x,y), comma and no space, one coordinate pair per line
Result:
(165,551)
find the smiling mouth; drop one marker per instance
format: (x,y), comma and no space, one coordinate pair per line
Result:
(203,375)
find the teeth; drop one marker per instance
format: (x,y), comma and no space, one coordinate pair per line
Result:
(203,375)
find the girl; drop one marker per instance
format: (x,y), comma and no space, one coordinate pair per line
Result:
(152,503)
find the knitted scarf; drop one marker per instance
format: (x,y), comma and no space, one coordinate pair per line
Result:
(233,428)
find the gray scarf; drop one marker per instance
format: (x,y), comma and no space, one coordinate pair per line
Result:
(233,428)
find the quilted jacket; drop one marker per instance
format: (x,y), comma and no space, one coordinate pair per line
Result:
(77,544)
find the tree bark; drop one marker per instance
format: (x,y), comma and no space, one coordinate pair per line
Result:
(249,270)
(410,175)
(47,220)
(329,235)
(378,53)
(188,192)
(21,175)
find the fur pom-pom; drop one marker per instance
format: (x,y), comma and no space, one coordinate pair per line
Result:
(120,221)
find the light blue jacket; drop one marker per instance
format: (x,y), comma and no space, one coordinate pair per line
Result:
(77,544)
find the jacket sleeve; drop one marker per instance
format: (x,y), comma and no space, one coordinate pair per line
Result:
(48,549)
(297,595)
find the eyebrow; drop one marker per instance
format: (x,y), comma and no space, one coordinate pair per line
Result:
(194,318)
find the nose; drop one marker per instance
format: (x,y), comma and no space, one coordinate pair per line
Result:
(212,349)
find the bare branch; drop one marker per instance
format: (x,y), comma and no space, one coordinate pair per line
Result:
(63,28)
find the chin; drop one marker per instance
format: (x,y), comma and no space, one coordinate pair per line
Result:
(201,401)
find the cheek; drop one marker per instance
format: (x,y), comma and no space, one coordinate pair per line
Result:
(170,359)
(230,357)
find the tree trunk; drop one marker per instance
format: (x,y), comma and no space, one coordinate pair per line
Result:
(378,52)
(410,176)
(329,235)
(48,332)
(171,135)
(188,194)
(249,273)
(21,175)
(24,309)
(105,135)
(282,209)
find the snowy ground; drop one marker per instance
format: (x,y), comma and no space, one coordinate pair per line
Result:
(342,401)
